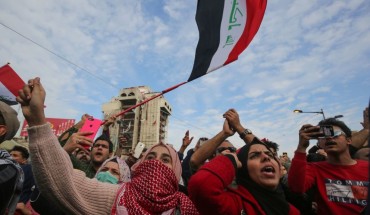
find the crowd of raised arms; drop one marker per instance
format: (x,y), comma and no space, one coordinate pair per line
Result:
(214,177)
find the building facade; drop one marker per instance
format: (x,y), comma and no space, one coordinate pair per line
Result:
(146,124)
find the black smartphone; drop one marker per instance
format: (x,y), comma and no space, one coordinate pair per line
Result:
(327,131)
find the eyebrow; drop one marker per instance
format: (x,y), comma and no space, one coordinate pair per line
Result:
(260,152)
(166,155)
(252,153)
(151,153)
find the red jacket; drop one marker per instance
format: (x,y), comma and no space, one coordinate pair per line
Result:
(209,191)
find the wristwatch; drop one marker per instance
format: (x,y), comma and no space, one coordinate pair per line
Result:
(244,133)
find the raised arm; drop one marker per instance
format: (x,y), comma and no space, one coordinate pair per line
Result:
(185,143)
(232,117)
(57,180)
(209,147)
(359,138)
(301,175)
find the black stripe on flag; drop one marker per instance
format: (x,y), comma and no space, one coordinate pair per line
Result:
(208,17)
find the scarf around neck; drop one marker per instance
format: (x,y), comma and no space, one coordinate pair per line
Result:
(154,190)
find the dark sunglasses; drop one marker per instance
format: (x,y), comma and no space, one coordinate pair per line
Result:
(231,149)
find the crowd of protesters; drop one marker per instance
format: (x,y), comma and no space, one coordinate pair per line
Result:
(214,177)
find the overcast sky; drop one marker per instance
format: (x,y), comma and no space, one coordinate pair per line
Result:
(308,55)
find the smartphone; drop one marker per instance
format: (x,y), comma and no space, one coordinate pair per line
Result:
(92,125)
(201,142)
(327,131)
(139,149)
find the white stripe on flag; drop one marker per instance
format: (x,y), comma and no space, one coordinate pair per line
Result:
(232,26)
(5,94)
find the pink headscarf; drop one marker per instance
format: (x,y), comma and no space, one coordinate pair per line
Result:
(124,169)
(176,164)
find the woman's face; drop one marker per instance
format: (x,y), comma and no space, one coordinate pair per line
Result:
(112,167)
(161,154)
(262,167)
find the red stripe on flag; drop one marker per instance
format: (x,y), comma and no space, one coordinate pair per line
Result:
(226,28)
(255,12)
(11,80)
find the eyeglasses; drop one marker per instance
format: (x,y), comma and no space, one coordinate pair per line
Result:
(203,138)
(335,134)
(231,149)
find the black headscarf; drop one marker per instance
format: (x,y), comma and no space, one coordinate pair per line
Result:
(272,201)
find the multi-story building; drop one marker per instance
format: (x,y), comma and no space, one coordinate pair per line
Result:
(146,123)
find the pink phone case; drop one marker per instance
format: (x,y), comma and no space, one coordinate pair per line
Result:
(92,125)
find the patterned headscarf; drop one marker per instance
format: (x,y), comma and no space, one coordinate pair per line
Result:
(176,164)
(124,169)
(153,190)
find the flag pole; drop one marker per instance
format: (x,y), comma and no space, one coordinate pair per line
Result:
(147,100)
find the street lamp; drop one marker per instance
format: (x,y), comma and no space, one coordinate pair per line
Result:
(338,116)
(320,112)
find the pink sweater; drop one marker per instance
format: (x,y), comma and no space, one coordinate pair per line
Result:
(69,188)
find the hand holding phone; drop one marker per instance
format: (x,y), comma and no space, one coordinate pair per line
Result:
(139,149)
(307,133)
(77,141)
(91,124)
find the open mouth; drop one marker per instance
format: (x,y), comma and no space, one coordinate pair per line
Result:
(330,143)
(98,153)
(268,169)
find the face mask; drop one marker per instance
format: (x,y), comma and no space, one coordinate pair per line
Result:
(107,177)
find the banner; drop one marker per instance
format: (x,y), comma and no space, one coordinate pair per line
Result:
(59,126)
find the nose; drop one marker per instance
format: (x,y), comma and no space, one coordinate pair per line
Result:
(264,156)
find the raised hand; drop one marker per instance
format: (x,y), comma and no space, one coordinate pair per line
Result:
(306,133)
(78,140)
(32,98)
(233,118)
(85,117)
(365,123)
(186,140)
(228,131)
(109,122)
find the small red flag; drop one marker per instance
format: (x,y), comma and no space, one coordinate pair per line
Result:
(10,83)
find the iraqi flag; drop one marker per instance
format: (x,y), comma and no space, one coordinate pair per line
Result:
(10,83)
(226,27)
